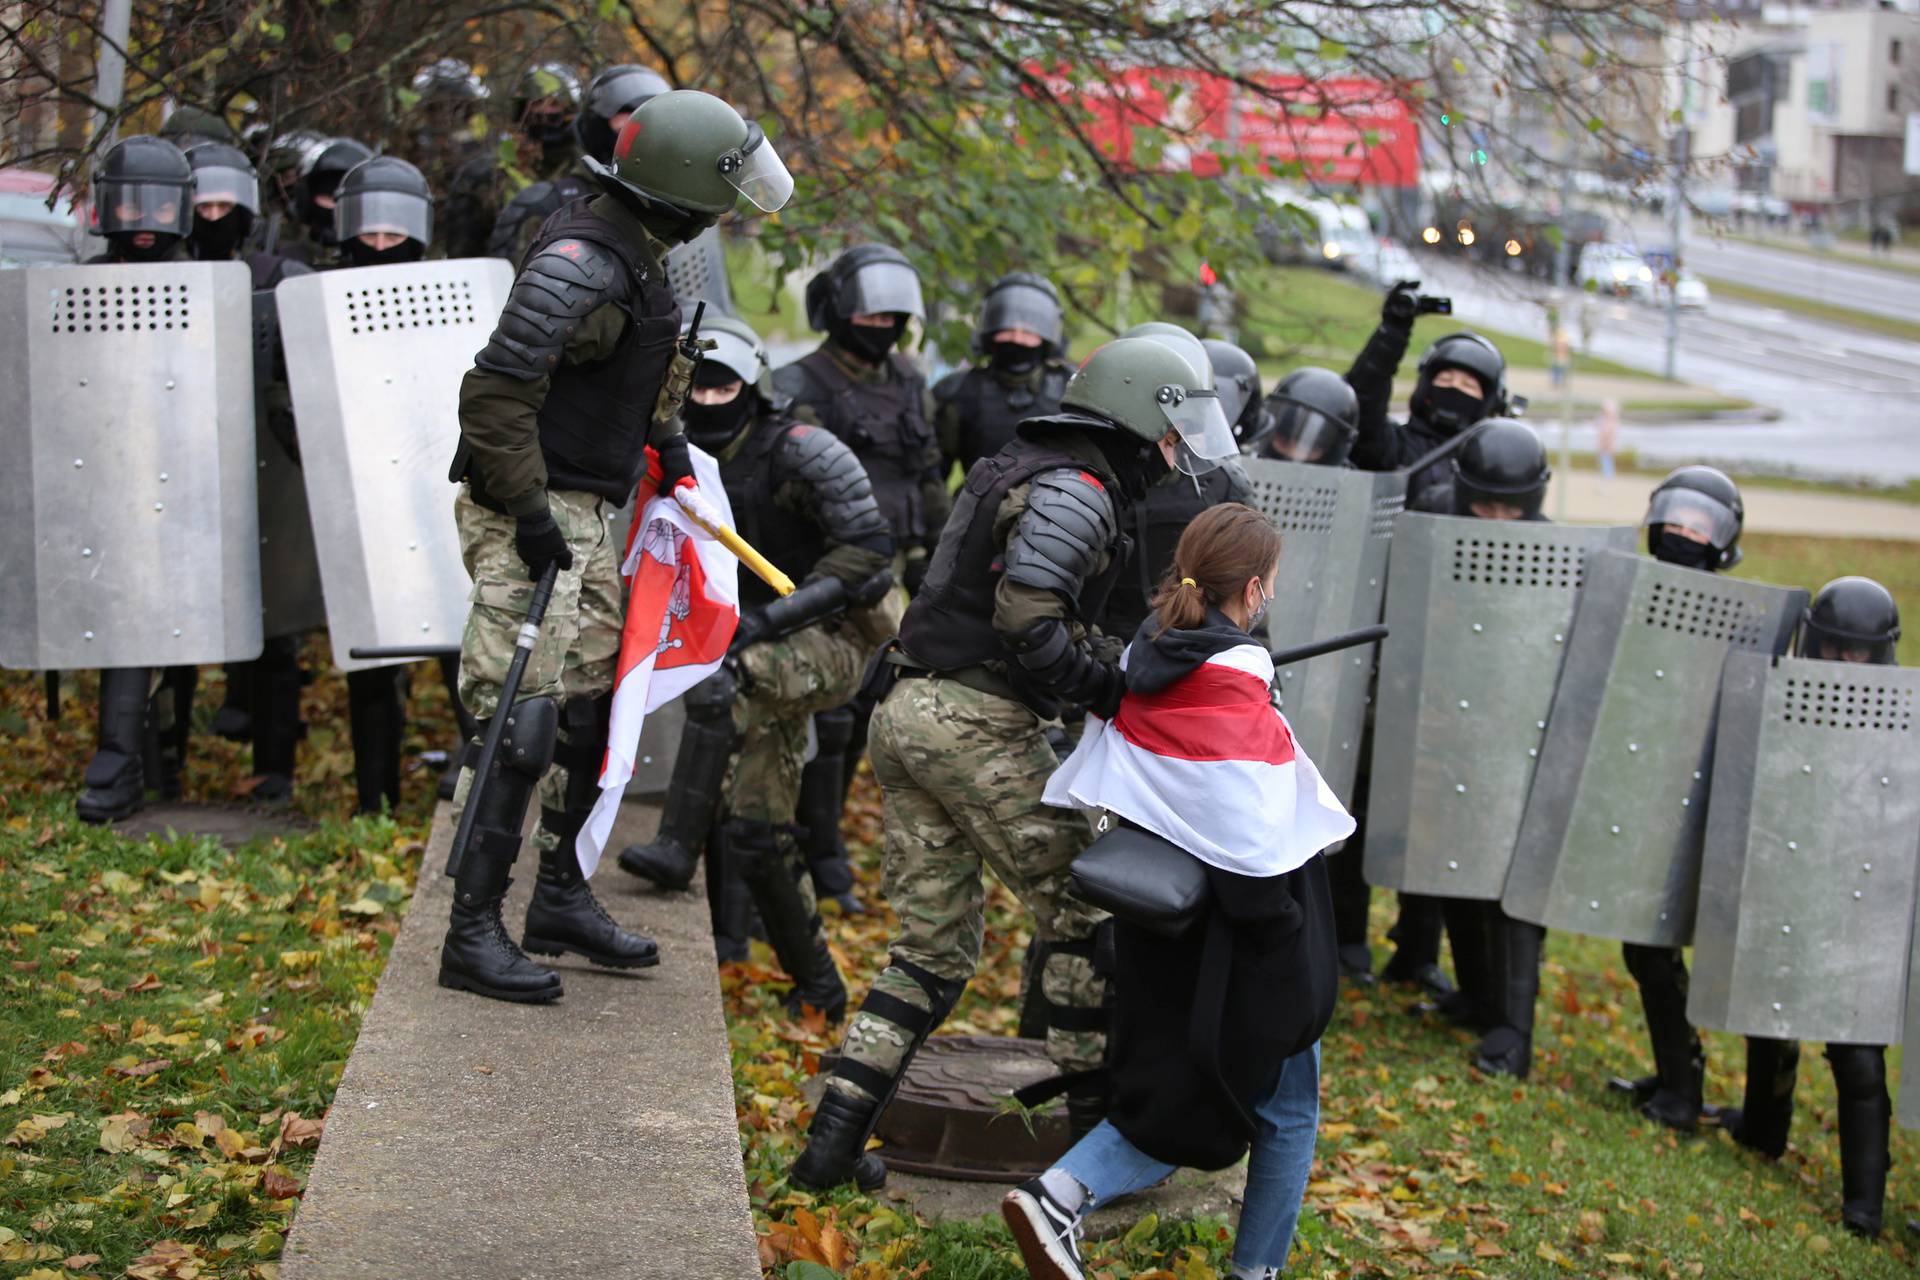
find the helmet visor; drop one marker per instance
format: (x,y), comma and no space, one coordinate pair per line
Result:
(1829,645)
(1697,513)
(1206,438)
(362,213)
(757,172)
(881,288)
(234,186)
(1021,306)
(1305,434)
(143,206)
(1522,503)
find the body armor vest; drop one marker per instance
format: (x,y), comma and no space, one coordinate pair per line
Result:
(949,625)
(751,477)
(560,192)
(1157,523)
(989,409)
(885,425)
(596,417)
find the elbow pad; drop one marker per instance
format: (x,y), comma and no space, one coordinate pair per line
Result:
(1067,669)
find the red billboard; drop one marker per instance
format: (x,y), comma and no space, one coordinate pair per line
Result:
(1348,131)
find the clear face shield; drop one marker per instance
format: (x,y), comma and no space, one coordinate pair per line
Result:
(227,185)
(882,288)
(1708,519)
(393,212)
(1305,434)
(755,170)
(143,206)
(1206,437)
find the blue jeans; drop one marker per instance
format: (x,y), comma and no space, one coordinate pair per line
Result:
(1109,1166)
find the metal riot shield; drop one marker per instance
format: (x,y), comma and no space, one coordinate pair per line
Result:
(128,524)
(697,272)
(289,570)
(1611,839)
(375,356)
(1478,613)
(1335,526)
(1813,833)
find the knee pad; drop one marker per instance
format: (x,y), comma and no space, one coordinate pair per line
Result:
(582,746)
(834,729)
(1859,1070)
(531,734)
(751,845)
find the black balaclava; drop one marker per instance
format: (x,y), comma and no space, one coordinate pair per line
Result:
(1451,409)
(1013,358)
(361,254)
(1138,464)
(217,239)
(870,342)
(714,427)
(1673,547)
(121,242)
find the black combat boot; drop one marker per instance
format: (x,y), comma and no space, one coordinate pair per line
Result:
(823,791)
(274,716)
(1762,1123)
(234,720)
(478,954)
(115,781)
(1416,939)
(1680,1063)
(376,719)
(768,863)
(1507,1050)
(564,916)
(693,795)
(169,726)
(1863,1115)
(837,1145)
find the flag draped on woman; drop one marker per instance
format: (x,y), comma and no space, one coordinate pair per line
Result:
(683,604)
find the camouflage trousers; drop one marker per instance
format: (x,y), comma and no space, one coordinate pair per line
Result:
(785,682)
(580,639)
(961,773)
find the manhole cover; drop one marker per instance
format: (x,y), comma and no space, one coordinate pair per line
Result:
(231,825)
(953,1116)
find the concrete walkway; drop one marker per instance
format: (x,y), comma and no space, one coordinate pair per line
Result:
(595,1137)
(1594,499)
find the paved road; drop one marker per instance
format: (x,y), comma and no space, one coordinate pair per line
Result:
(1849,402)
(1829,279)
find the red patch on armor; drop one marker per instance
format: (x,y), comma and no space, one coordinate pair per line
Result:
(623,145)
(800,429)
(568,249)
(1093,480)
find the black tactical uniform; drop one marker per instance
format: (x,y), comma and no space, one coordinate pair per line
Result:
(976,408)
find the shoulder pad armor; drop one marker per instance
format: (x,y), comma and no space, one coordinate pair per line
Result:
(948,389)
(1068,523)
(796,384)
(557,289)
(1235,486)
(842,493)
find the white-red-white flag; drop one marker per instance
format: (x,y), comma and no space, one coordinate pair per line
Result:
(683,604)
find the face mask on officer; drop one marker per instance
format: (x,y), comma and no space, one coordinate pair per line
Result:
(218,228)
(1015,351)
(1456,399)
(872,336)
(382,249)
(716,407)
(1677,544)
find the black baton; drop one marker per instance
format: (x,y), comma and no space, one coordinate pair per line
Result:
(1332,644)
(497,722)
(379,654)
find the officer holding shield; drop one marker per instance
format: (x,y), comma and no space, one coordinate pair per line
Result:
(582,375)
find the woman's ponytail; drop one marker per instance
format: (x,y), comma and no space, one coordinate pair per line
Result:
(1220,551)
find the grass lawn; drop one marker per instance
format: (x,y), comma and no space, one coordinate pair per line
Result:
(1867,320)
(1629,464)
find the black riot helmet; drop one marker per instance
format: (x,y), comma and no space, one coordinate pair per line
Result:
(143,186)
(545,100)
(448,81)
(384,195)
(1694,519)
(222,175)
(617,91)
(868,279)
(1851,620)
(1447,409)
(320,175)
(1237,378)
(1503,465)
(1316,418)
(1021,300)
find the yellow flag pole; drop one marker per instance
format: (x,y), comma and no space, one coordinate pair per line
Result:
(702,514)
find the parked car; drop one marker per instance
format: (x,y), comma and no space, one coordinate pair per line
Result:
(1614,268)
(31,234)
(1690,292)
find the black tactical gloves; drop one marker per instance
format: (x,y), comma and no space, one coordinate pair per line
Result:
(539,543)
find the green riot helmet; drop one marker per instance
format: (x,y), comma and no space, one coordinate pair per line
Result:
(1180,340)
(1144,386)
(143,186)
(685,157)
(614,95)
(545,101)
(738,357)
(187,125)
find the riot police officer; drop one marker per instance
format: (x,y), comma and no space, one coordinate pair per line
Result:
(1020,371)
(582,375)
(187,126)
(995,643)
(1850,620)
(799,492)
(610,101)
(1312,415)
(143,199)
(1693,520)
(263,696)
(1233,365)
(1462,379)
(321,171)
(1500,474)
(546,97)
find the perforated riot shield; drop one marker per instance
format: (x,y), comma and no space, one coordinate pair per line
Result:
(697,272)
(375,356)
(128,525)
(290,596)
(1335,526)
(1478,612)
(1610,842)
(1813,832)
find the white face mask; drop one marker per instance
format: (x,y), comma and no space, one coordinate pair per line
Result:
(1266,602)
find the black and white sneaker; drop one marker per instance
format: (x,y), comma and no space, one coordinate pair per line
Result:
(1047,1234)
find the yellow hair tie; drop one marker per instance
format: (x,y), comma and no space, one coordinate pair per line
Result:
(1189,582)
